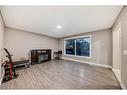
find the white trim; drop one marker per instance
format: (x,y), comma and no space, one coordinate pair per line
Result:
(90,63)
(120,52)
(116,72)
(121,84)
(75,46)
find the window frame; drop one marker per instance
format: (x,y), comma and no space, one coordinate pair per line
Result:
(76,37)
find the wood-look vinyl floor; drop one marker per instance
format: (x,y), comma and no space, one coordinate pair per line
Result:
(63,74)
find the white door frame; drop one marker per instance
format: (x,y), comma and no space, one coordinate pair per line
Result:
(120,54)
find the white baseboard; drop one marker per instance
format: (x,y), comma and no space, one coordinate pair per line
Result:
(122,86)
(117,76)
(90,63)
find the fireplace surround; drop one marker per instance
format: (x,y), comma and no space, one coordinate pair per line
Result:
(40,55)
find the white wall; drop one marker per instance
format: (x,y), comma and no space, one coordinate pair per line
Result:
(1,42)
(19,43)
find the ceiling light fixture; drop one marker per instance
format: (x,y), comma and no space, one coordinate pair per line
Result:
(59,27)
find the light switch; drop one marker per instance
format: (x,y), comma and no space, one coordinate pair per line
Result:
(125,52)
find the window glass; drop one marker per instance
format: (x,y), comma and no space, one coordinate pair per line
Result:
(78,46)
(83,46)
(70,47)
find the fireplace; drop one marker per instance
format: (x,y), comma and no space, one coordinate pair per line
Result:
(40,55)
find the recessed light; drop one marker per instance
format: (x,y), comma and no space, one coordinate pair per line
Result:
(59,27)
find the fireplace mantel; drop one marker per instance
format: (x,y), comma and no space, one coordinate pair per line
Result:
(40,55)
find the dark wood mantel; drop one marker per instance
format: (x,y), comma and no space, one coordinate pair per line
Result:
(40,55)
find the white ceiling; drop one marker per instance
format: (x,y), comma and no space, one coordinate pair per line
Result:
(73,19)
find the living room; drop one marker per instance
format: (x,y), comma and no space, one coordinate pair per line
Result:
(63,47)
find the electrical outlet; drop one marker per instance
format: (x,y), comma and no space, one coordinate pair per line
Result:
(125,52)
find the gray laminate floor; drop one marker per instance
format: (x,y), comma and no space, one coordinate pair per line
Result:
(63,74)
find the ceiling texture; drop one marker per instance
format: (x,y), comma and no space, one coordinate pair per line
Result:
(60,21)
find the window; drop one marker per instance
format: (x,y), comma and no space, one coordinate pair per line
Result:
(80,46)
(70,47)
